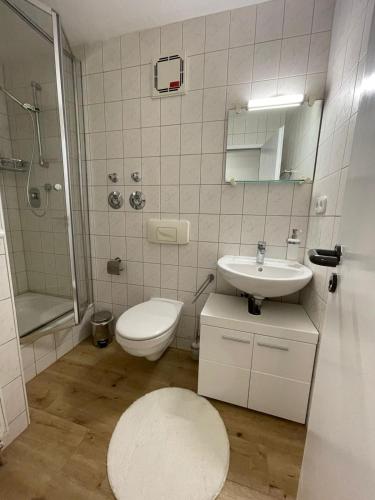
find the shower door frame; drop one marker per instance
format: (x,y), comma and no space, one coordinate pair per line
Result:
(59,51)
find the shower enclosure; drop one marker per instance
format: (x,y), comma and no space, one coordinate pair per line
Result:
(42,168)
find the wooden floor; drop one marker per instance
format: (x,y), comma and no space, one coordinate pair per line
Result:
(76,403)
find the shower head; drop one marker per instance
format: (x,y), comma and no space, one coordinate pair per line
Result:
(24,105)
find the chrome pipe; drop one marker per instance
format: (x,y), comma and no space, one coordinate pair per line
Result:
(36,87)
(24,105)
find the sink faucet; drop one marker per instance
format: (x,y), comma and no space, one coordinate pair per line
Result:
(261,251)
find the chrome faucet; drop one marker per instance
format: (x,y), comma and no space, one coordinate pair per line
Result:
(261,252)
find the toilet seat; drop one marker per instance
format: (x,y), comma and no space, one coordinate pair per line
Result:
(148,320)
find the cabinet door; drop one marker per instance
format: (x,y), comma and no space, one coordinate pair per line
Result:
(279,396)
(226,346)
(285,358)
(223,382)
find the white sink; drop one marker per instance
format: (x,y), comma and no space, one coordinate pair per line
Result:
(275,278)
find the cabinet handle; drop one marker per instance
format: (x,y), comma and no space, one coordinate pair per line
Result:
(235,339)
(272,346)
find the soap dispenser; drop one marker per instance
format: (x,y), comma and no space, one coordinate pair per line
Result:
(293,245)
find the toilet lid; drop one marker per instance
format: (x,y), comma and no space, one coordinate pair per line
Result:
(147,320)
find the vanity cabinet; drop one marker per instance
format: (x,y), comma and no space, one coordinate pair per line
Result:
(264,362)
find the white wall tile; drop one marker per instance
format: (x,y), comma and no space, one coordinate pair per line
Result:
(131,82)
(196,72)
(111,54)
(14,399)
(131,113)
(194,35)
(150,45)
(230,228)
(217,31)
(214,104)
(150,141)
(190,169)
(213,137)
(242,26)
(207,254)
(191,110)
(323,15)
(252,228)
(95,89)
(276,230)
(298,17)
(209,227)
(266,60)
(112,86)
(132,143)
(319,52)
(188,254)
(189,199)
(240,64)
(280,199)
(93,58)
(232,199)
(4,283)
(191,138)
(269,24)
(130,50)
(170,111)
(171,38)
(150,112)
(210,197)
(215,68)
(294,56)
(10,365)
(212,168)
(6,320)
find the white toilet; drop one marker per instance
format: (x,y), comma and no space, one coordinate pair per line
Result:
(148,329)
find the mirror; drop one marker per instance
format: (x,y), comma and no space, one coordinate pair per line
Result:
(273,144)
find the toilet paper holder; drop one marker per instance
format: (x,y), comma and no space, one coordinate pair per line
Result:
(114,266)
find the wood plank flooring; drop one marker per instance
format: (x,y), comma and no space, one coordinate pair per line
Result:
(76,403)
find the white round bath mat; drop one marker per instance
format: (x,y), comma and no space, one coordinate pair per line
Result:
(169,445)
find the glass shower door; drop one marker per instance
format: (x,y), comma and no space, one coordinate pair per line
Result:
(45,202)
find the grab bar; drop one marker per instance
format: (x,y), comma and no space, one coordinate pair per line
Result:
(203,287)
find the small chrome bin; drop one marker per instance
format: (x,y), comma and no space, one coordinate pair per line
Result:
(102,325)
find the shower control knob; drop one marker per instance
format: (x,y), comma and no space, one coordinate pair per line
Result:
(115,200)
(57,187)
(137,200)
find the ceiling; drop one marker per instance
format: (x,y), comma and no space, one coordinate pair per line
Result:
(87,21)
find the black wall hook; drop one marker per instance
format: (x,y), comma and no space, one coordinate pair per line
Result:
(328,258)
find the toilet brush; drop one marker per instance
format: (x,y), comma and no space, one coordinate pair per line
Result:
(195,345)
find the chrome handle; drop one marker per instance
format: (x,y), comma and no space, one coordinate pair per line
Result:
(272,346)
(235,339)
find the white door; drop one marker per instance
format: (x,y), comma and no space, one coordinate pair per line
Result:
(339,460)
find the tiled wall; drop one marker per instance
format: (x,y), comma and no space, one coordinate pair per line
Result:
(45,264)
(11,378)
(346,64)
(10,202)
(177,144)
